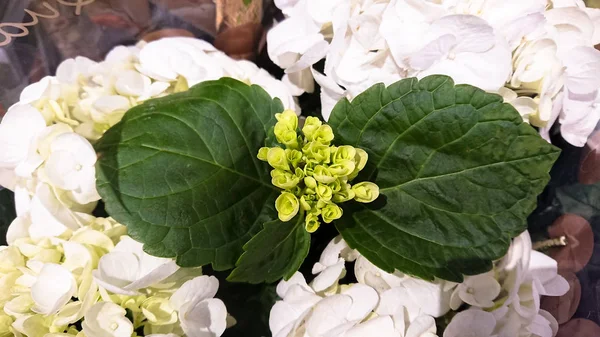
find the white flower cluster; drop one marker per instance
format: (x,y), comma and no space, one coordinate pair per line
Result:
(538,54)
(97,282)
(62,264)
(503,303)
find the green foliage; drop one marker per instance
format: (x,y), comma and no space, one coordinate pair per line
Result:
(458,173)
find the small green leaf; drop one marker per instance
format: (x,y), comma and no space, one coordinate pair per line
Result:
(458,173)
(181,172)
(580,199)
(275,252)
(7,212)
(247,2)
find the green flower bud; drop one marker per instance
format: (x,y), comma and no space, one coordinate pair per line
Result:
(262,153)
(343,195)
(286,136)
(306,204)
(322,175)
(277,158)
(331,212)
(284,180)
(317,152)
(287,206)
(311,222)
(294,157)
(342,168)
(324,134)
(310,182)
(344,153)
(311,125)
(288,118)
(309,168)
(336,186)
(361,160)
(324,192)
(365,192)
(299,173)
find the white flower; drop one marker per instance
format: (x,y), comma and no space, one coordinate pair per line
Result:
(471,323)
(331,266)
(480,291)
(18,131)
(127,268)
(106,319)
(70,166)
(200,314)
(52,289)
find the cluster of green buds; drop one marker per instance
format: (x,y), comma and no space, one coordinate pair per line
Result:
(313,174)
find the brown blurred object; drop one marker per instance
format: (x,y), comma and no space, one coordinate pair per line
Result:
(133,15)
(167,32)
(579,327)
(589,169)
(580,242)
(564,307)
(239,27)
(199,13)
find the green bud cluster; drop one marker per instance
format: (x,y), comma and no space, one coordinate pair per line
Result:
(313,174)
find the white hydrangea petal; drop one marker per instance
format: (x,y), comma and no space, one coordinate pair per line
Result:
(18,129)
(382,326)
(204,318)
(48,216)
(115,271)
(582,64)
(328,314)
(432,52)
(472,34)
(53,288)
(282,317)
(156,275)
(364,300)
(195,290)
(331,93)
(35,91)
(284,286)
(434,300)
(132,83)
(103,316)
(478,323)
(421,327)
(329,276)
(19,228)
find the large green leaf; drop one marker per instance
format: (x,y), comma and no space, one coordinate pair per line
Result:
(278,250)
(458,171)
(181,172)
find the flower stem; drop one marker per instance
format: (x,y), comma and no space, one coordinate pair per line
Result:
(550,243)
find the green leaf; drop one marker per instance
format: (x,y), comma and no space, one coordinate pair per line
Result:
(458,173)
(580,199)
(247,2)
(181,172)
(7,212)
(278,250)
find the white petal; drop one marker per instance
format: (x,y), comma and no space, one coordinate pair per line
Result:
(583,63)
(432,52)
(155,276)
(18,229)
(18,129)
(77,145)
(421,326)
(204,318)
(53,289)
(473,34)
(282,315)
(478,323)
(115,271)
(284,286)
(62,169)
(48,216)
(431,296)
(328,314)
(331,93)
(299,82)
(36,90)
(328,277)
(382,326)
(195,291)
(364,300)
(132,83)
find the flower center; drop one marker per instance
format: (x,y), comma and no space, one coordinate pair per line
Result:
(470,290)
(78,167)
(451,56)
(114,326)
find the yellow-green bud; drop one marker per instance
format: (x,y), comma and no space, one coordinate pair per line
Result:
(305,204)
(361,160)
(277,158)
(287,206)
(262,153)
(322,175)
(158,311)
(286,136)
(336,186)
(299,173)
(311,125)
(317,151)
(284,180)
(324,192)
(331,212)
(324,134)
(288,118)
(342,168)
(365,192)
(311,223)
(309,168)
(294,157)
(343,153)
(310,182)
(346,193)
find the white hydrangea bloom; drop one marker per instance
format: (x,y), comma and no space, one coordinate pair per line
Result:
(541,51)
